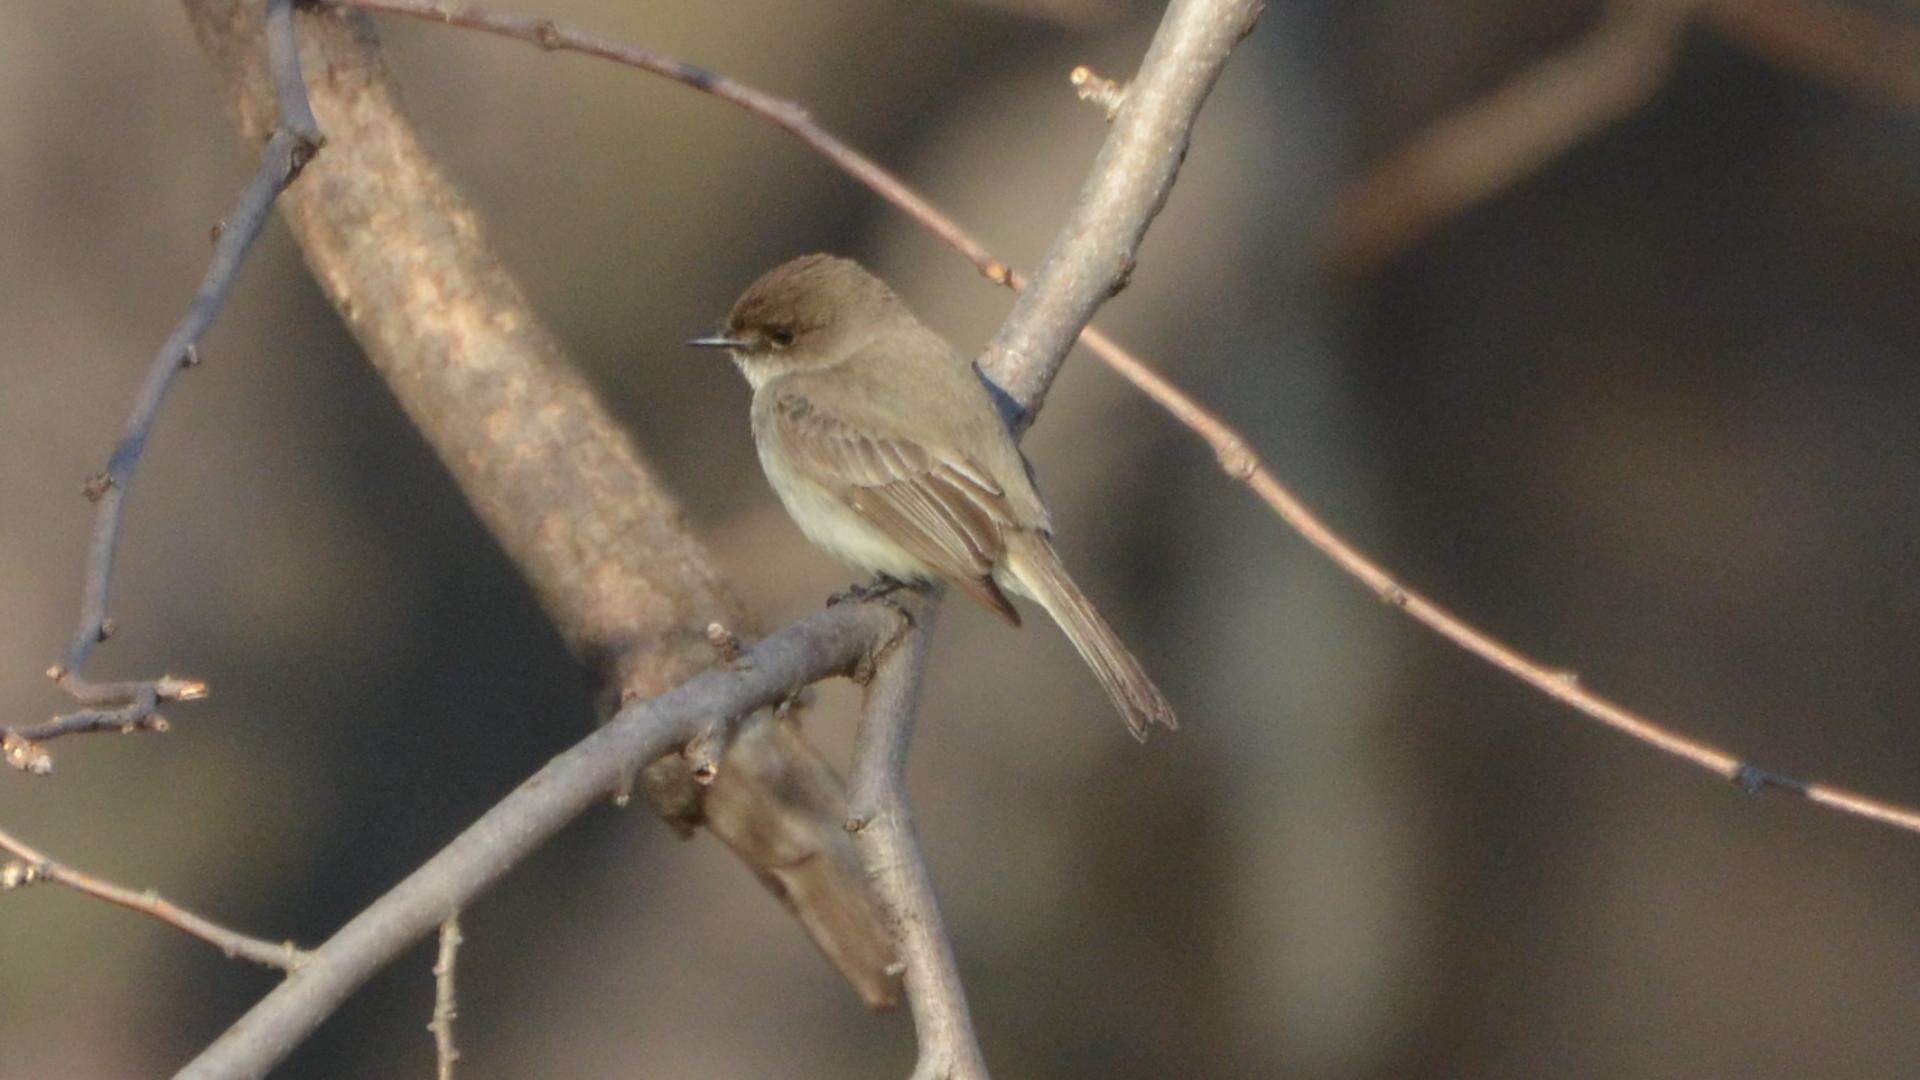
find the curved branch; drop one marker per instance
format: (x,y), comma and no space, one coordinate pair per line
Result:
(640,733)
(1232,451)
(554,477)
(702,709)
(131,706)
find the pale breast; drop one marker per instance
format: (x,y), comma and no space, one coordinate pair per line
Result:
(831,524)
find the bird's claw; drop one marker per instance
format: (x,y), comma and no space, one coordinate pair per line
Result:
(877,589)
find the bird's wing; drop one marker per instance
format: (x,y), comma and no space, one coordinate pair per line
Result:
(937,504)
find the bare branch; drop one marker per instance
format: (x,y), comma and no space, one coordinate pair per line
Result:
(553,476)
(1093,253)
(1232,451)
(33,866)
(1091,257)
(445,1053)
(129,706)
(818,646)
(882,825)
(569,784)
(540,806)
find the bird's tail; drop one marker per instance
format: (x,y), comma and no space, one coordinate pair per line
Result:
(1038,573)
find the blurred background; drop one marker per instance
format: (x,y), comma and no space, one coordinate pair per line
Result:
(1646,411)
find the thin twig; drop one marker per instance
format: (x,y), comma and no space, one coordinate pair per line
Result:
(1092,87)
(445,1053)
(821,645)
(37,867)
(130,706)
(882,827)
(1232,450)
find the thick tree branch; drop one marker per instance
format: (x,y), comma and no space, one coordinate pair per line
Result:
(551,474)
(705,708)
(132,706)
(1233,453)
(32,866)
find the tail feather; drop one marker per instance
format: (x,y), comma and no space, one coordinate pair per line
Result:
(1037,572)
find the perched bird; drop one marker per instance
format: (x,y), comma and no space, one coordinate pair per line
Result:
(889,452)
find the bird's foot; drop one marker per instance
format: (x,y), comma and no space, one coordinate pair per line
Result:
(879,587)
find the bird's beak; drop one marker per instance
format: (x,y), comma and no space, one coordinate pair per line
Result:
(717,341)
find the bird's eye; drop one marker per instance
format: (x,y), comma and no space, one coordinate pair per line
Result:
(780,336)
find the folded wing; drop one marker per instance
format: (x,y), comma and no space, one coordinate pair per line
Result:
(941,507)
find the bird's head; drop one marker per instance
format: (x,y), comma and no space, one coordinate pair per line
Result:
(809,313)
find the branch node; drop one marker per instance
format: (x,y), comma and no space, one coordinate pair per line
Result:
(96,487)
(724,642)
(25,754)
(1236,458)
(190,358)
(1753,780)
(997,272)
(107,629)
(705,750)
(790,707)
(548,35)
(1101,91)
(17,873)
(858,822)
(173,688)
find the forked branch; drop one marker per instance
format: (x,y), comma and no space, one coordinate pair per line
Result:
(1234,454)
(133,706)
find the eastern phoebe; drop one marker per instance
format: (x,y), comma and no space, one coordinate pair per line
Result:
(889,453)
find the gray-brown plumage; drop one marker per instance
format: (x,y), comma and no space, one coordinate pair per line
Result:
(888,452)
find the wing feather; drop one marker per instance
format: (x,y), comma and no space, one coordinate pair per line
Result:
(940,506)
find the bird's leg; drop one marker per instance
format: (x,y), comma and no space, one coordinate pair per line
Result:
(880,591)
(880,586)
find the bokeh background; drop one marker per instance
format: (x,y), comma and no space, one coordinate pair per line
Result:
(1649,413)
